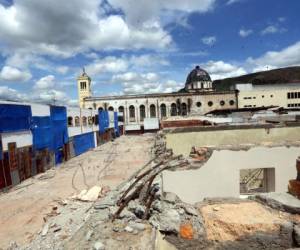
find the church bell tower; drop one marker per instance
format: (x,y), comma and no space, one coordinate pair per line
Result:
(84,87)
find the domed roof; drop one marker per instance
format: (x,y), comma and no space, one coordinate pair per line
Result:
(197,75)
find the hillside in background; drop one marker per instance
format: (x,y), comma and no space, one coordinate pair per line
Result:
(282,75)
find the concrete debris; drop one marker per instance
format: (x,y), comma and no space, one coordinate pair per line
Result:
(89,195)
(190,210)
(169,221)
(216,209)
(170,197)
(281,201)
(128,229)
(13,246)
(99,246)
(45,229)
(137,226)
(297,234)
(137,210)
(89,234)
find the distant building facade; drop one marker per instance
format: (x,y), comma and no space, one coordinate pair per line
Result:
(197,97)
(286,95)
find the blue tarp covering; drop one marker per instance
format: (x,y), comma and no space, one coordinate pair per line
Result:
(58,117)
(41,132)
(116,123)
(14,117)
(83,143)
(103,121)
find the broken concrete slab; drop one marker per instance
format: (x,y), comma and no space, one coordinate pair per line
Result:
(281,201)
(169,221)
(91,195)
(170,197)
(99,246)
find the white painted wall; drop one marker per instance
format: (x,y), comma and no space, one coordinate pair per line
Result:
(22,139)
(131,127)
(151,123)
(40,110)
(219,176)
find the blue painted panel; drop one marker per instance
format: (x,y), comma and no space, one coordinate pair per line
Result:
(58,117)
(41,132)
(14,117)
(83,143)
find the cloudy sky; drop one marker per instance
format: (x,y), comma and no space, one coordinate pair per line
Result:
(130,46)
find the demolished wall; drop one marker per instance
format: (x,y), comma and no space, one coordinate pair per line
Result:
(182,140)
(220,175)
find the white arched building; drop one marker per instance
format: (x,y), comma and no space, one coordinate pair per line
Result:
(198,97)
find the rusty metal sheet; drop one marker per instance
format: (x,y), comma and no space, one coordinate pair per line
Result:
(12,156)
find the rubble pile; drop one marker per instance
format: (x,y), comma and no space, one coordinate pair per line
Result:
(141,199)
(138,214)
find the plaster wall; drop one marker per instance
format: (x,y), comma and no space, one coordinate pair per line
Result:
(219,176)
(22,139)
(181,143)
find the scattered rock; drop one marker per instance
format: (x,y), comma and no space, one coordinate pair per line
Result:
(169,221)
(91,195)
(297,234)
(216,209)
(99,246)
(45,230)
(13,246)
(137,226)
(139,211)
(190,210)
(89,235)
(156,205)
(127,214)
(105,203)
(117,228)
(128,229)
(56,229)
(170,197)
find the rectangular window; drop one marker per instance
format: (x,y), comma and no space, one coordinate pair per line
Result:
(292,95)
(258,180)
(289,95)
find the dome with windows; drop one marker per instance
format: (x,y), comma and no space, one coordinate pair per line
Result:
(198,80)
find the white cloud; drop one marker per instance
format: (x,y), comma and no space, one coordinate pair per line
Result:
(229,2)
(135,77)
(289,56)
(10,94)
(151,87)
(140,12)
(62,69)
(45,82)
(136,83)
(66,28)
(209,40)
(281,19)
(109,64)
(220,69)
(245,33)
(112,64)
(272,29)
(12,74)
